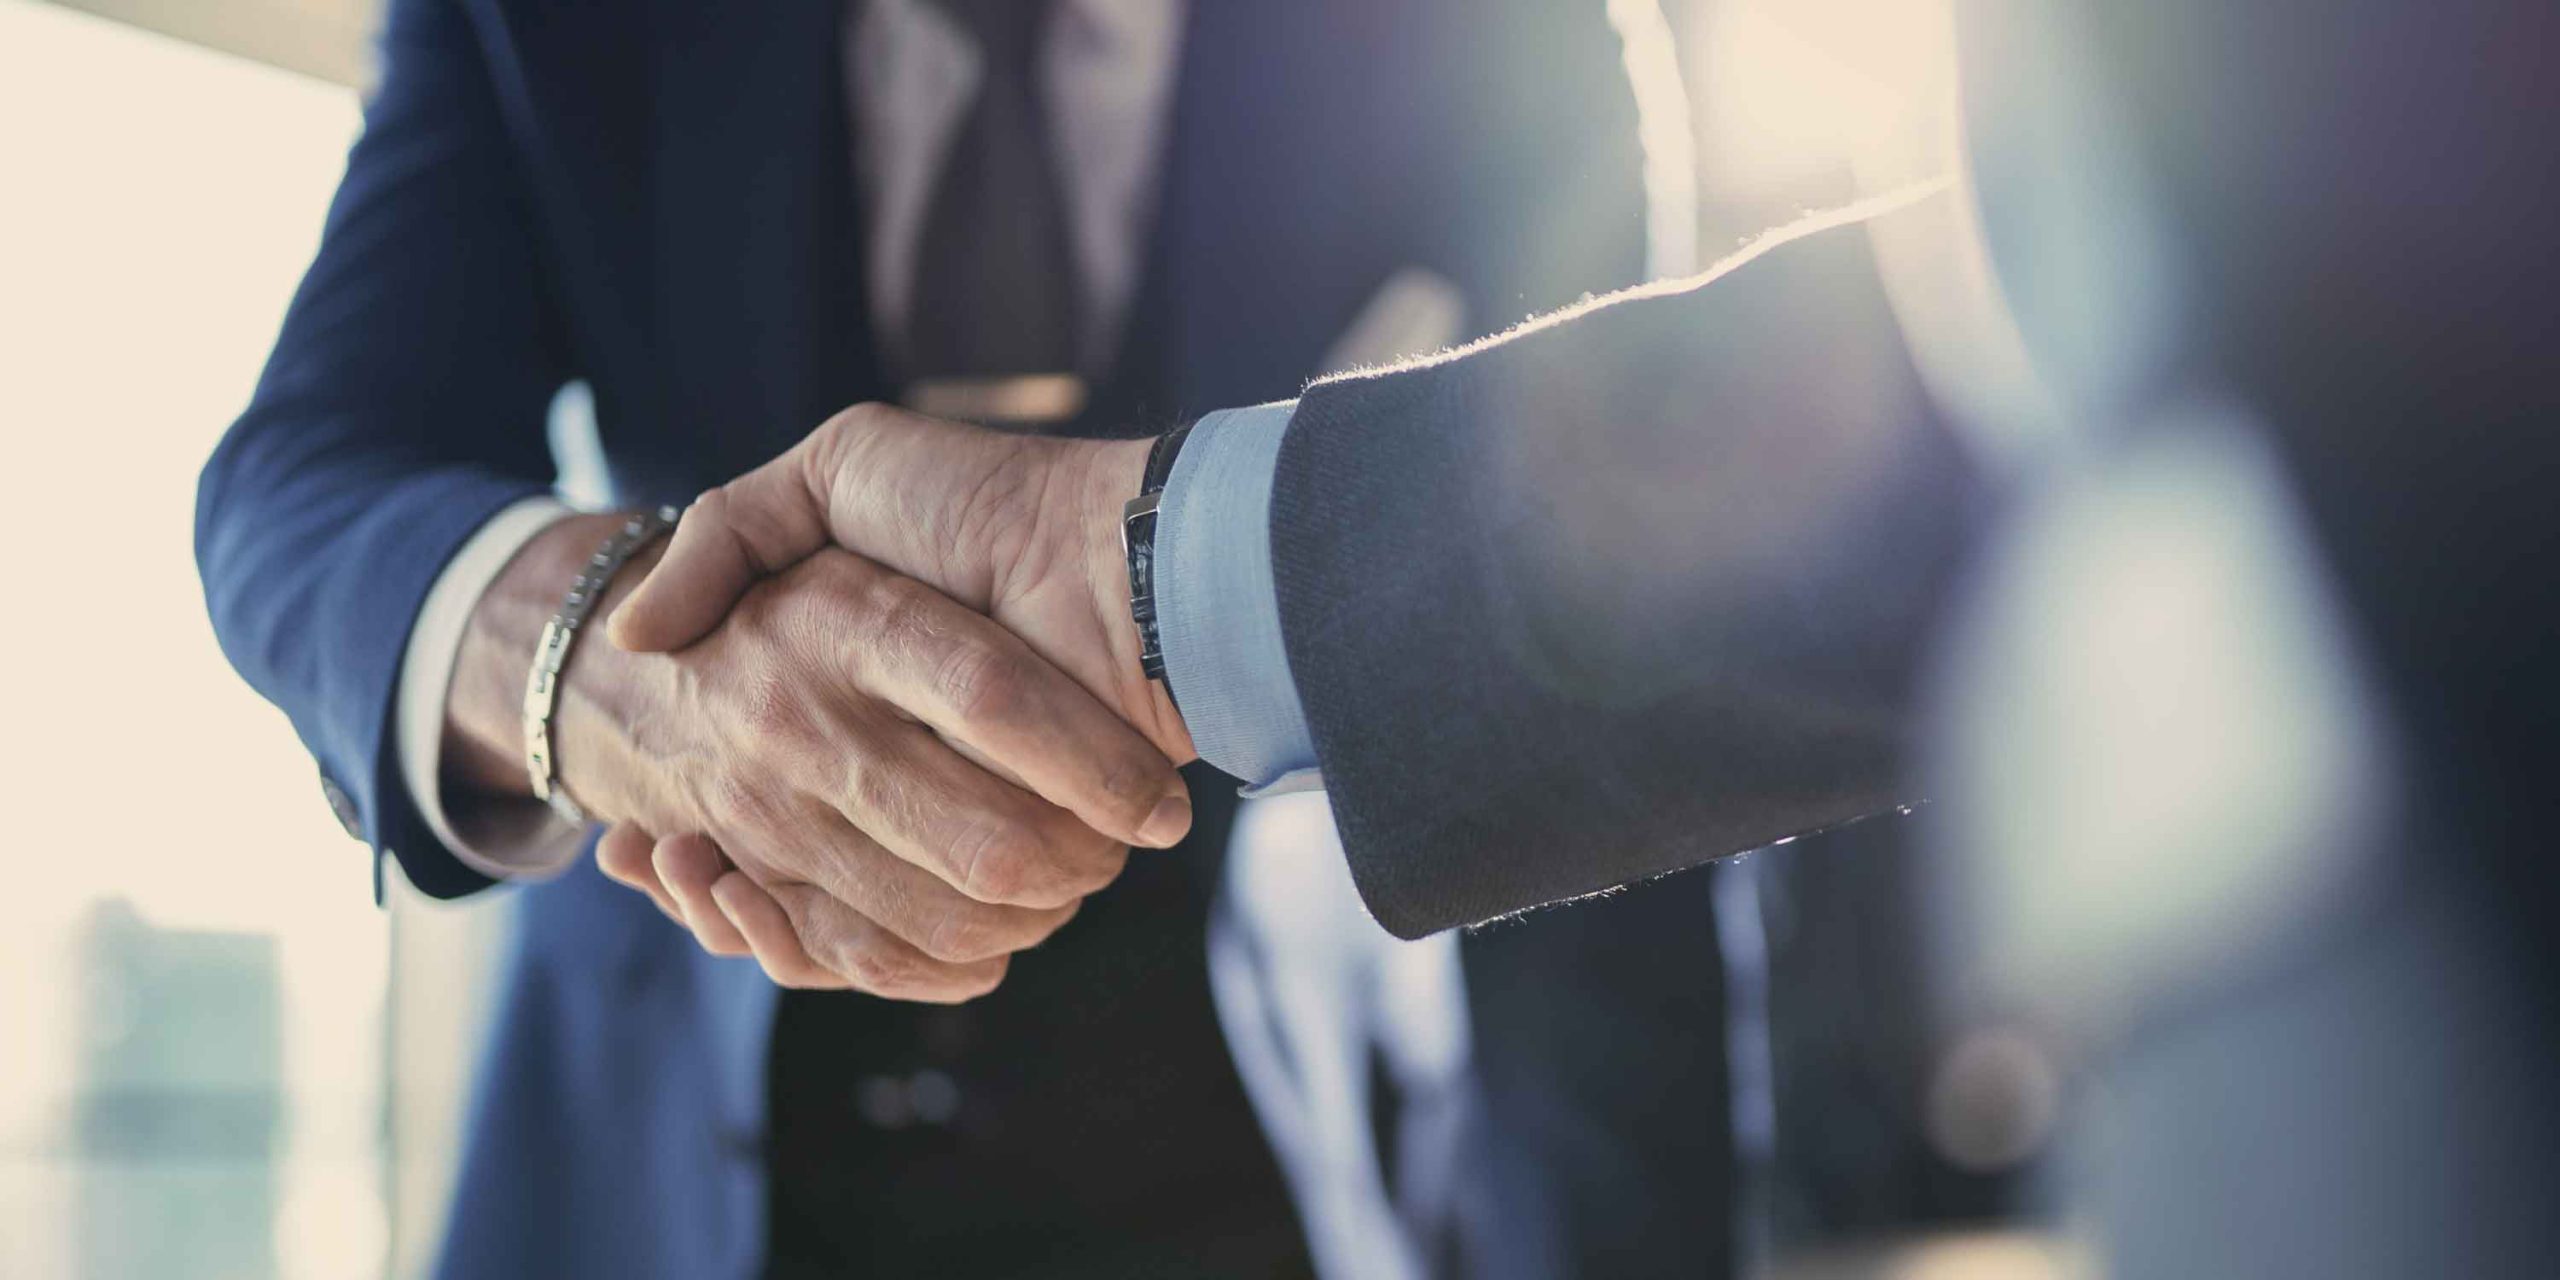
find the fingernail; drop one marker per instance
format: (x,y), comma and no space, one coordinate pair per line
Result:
(1171,821)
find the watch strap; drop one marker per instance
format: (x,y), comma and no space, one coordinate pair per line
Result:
(1138,544)
(1160,458)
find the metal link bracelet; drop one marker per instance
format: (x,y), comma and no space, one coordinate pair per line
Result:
(542,687)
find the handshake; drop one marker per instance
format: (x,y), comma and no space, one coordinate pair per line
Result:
(876,714)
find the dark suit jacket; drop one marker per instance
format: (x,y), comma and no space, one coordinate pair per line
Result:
(1633,589)
(655,199)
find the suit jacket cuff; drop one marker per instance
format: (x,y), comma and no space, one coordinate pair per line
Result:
(497,838)
(379,573)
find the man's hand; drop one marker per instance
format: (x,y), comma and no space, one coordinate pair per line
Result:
(823,736)
(1025,529)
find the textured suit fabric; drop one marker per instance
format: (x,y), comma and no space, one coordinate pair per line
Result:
(657,200)
(1622,594)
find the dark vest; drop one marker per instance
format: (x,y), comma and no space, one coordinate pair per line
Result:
(1082,1120)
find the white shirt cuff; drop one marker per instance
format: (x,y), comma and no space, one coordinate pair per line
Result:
(504,839)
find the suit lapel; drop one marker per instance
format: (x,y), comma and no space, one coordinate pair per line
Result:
(579,88)
(1268,239)
(1206,266)
(757,303)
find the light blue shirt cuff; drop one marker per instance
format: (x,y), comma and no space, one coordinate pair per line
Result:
(1217,610)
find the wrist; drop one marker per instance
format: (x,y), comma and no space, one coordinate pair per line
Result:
(485,729)
(1113,473)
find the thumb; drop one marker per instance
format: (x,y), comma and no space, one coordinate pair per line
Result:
(750,528)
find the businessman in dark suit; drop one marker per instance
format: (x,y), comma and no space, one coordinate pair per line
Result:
(728,227)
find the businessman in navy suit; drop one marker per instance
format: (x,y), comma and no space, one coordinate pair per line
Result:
(728,226)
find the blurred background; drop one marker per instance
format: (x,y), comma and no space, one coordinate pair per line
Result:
(212,1074)
(194,1062)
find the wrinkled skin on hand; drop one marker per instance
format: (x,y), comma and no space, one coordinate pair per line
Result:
(1022,529)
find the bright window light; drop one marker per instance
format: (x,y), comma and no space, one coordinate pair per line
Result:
(1790,88)
(191,977)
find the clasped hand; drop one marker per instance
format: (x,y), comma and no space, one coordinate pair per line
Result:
(892,725)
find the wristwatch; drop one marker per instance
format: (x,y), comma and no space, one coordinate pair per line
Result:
(1138,544)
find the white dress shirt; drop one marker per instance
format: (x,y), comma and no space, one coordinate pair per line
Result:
(1307,984)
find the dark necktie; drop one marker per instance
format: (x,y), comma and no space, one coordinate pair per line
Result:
(996,277)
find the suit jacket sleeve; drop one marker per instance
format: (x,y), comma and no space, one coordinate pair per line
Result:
(1628,590)
(402,406)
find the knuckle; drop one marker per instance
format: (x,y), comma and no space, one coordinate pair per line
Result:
(821,585)
(980,682)
(844,437)
(965,934)
(736,798)
(899,609)
(878,969)
(1131,787)
(776,710)
(954,939)
(854,419)
(816,925)
(994,865)
(921,633)
(874,791)
(803,909)
(710,507)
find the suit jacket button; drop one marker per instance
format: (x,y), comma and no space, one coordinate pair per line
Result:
(343,806)
(933,1097)
(927,1098)
(882,1100)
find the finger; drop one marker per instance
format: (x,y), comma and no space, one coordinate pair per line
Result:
(752,527)
(623,856)
(623,853)
(980,686)
(858,950)
(688,865)
(991,841)
(874,478)
(867,880)
(770,935)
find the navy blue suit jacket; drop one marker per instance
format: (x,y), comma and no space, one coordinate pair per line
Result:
(656,199)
